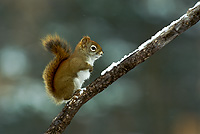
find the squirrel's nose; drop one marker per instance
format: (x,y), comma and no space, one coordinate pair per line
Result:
(101,53)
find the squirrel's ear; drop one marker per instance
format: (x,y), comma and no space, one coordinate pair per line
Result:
(85,40)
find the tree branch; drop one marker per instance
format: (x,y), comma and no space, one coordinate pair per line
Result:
(116,70)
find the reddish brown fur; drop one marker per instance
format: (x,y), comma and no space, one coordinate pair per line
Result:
(60,72)
(62,52)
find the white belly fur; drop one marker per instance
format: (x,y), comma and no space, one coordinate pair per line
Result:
(81,77)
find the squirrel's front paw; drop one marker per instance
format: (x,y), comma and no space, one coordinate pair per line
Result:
(91,69)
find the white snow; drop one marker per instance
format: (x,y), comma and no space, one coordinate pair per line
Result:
(143,45)
(82,89)
(196,5)
(66,101)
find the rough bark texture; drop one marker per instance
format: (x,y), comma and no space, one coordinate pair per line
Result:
(64,118)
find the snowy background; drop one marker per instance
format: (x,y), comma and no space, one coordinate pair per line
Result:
(160,96)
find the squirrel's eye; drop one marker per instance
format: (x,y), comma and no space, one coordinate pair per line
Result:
(93,48)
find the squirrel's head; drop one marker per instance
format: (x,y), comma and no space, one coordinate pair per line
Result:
(90,48)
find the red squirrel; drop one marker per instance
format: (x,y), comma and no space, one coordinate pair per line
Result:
(67,71)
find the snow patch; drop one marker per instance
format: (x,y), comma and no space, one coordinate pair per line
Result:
(66,101)
(196,5)
(143,45)
(82,89)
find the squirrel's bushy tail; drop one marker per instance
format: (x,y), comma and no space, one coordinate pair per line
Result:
(57,46)
(62,51)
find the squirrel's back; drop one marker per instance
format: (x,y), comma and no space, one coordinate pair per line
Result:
(61,51)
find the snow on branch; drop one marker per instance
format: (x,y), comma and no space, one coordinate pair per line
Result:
(175,24)
(128,62)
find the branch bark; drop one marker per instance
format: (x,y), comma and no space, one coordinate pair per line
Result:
(116,70)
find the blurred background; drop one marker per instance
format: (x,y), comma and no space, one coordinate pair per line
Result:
(159,96)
